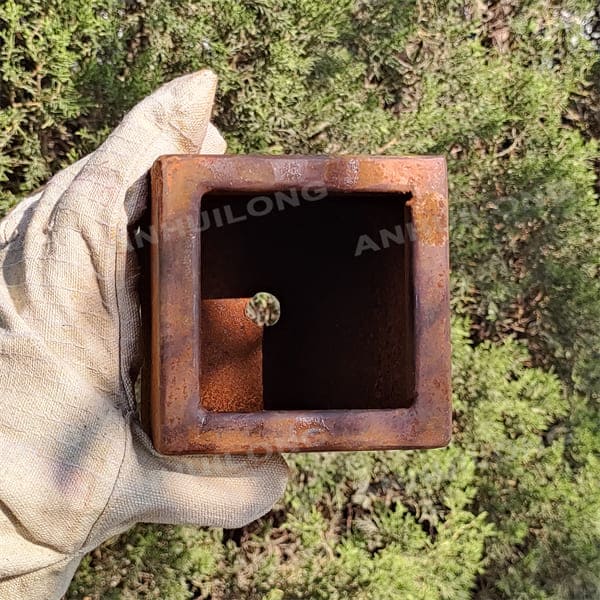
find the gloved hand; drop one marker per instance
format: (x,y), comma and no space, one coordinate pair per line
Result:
(76,468)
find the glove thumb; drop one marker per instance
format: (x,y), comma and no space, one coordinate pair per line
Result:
(221,491)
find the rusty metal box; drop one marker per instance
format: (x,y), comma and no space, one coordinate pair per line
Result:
(356,250)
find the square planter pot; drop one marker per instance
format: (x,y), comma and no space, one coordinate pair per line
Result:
(355,248)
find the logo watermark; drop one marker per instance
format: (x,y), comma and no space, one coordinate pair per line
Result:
(385,238)
(228,214)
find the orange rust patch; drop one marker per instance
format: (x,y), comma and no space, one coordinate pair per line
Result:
(429,218)
(231,354)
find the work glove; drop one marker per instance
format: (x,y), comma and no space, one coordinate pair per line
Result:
(75,466)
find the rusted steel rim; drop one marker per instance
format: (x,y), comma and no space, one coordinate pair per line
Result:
(384,381)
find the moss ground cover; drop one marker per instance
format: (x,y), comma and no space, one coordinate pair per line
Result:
(509,92)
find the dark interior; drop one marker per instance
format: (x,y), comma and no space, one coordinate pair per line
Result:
(345,337)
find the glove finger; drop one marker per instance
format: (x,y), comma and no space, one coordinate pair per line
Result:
(51,581)
(174,119)
(44,200)
(213,142)
(21,214)
(218,491)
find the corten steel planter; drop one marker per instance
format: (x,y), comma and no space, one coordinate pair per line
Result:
(355,249)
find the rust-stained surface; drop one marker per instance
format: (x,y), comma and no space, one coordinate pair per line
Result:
(361,356)
(231,357)
(430,218)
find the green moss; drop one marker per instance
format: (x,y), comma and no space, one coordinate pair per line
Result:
(511,508)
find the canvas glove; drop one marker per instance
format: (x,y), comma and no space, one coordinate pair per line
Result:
(75,466)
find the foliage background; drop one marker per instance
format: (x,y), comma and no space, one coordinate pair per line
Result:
(508,90)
